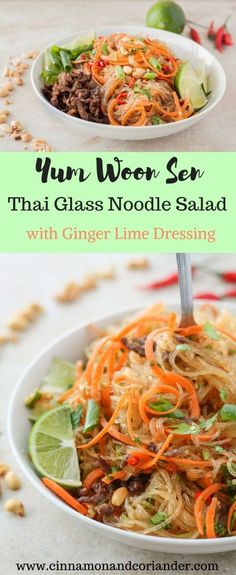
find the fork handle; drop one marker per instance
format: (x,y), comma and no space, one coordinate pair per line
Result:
(185,286)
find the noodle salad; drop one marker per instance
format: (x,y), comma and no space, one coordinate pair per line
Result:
(149,421)
(123,80)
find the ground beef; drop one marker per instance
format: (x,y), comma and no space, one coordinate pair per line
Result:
(99,492)
(136,344)
(76,94)
(105,509)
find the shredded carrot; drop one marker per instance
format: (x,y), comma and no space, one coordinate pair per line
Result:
(117,434)
(210,518)
(142,321)
(155,459)
(113,477)
(230,527)
(187,462)
(98,370)
(171,378)
(159,388)
(107,426)
(92,477)
(63,494)
(200,502)
(190,330)
(95,353)
(130,416)
(172,321)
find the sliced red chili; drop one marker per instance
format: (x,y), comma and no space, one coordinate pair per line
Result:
(229,277)
(219,38)
(195,36)
(228,39)
(208,295)
(132,460)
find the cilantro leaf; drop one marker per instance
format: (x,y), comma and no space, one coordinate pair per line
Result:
(186,428)
(158,518)
(206,424)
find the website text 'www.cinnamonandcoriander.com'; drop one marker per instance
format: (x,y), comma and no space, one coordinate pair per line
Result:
(127,567)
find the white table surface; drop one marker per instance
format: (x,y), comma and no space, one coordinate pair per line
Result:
(45,533)
(33,24)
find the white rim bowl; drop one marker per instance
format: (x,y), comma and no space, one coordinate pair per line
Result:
(71,346)
(185,48)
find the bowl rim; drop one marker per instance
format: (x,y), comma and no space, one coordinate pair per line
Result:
(30,473)
(129,129)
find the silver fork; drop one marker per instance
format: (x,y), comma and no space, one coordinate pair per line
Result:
(185,286)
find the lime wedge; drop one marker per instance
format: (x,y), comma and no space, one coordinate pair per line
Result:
(188,85)
(60,377)
(52,447)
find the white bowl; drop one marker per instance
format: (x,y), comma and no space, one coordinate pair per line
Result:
(183,47)
(71,346)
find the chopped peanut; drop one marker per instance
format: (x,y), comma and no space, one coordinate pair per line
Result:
(107,274)
(26,137)
(4,91)
(70,293)
(141,264)
(21,320)
(4,468)
(15,506)
(12,481)
(119,496)
(30,55)
(9,86)
(19,81)
(8,338)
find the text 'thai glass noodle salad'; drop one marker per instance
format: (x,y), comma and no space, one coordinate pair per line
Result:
(142,434)
(123,80)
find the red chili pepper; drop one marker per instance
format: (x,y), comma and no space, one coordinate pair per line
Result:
(194,35)
(170,280)
(211,31)
(231,294)
(101,64)
(207,295)
(132,82)
(166,68)
(228,39)
(121,97)
(219,38)
(132,460)
(229,277)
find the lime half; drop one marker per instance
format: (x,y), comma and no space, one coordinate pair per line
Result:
(52,447)
(166,15)
(188,85)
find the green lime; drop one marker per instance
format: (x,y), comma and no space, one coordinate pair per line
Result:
(166,15)
(52,447)
(60,377)
(188,85)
